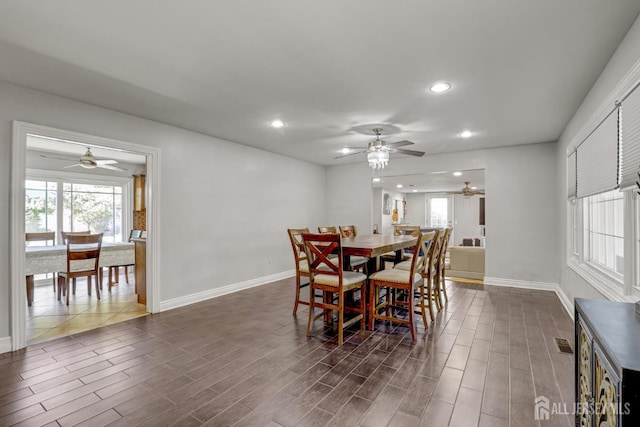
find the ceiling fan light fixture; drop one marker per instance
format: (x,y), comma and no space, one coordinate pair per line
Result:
(440,87)
(88,165)
(378,159)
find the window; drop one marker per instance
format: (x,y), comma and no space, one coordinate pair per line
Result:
(604,232)
(603,219)
(75,204)
(40,206)
(438,211)
(606,242)
(94,207)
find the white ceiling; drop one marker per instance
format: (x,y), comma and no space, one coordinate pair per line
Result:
(433,182)
(330,69)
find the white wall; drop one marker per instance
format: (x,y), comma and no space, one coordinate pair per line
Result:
(224,207)
(416,209)
(623,60)
(466,214)
(521,206)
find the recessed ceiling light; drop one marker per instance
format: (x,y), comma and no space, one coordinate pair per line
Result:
(466,134)
(399,185)
(440,87)
(415,191)
(345,150)
(276,123)
(376,179)
(457,173)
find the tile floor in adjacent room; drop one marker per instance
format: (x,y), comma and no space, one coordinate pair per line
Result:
(243,359)
(49,318)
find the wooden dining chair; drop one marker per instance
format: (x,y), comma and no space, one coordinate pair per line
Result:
(404,281)
(358,263)
(332,280)
(114,270)
(47,236)
(302,266)
(429,274)
(63,240)
(400,230)
(441,285)
(64,234)
(83,260)
(330,229)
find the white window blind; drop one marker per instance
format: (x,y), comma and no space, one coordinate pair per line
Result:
(597,159)
(571,175)
(630,139)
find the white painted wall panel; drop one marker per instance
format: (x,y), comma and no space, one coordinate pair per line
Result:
(224,208)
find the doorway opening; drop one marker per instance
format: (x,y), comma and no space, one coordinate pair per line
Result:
(47,196)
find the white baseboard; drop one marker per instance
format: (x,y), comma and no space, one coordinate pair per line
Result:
(524,284)
(566,302)
(5,344)
(216,292)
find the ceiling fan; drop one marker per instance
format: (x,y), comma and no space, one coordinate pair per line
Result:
(88,161)
(378,150)
(467,191)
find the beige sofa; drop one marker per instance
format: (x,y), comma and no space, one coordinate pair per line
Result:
(466,262)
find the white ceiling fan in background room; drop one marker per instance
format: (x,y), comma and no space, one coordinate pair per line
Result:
(88,161)
(378,150)
(467,191)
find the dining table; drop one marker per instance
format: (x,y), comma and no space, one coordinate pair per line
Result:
(372,246)
(50,259)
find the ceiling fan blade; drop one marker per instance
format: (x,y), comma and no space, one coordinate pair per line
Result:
(399,143)
(113,168)
(106,162)
(72,159)
(72,166)
(409,152)
(350,154)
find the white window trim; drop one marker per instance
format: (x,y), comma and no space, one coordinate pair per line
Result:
(612,288)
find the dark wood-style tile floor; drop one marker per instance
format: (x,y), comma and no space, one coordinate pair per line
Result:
(244,360)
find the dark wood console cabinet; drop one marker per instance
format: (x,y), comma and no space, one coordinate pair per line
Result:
(607,363)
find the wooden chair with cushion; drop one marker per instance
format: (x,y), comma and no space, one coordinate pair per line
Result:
(441,285)
(114,270)
(63,240)
(64,234)
(302,266)
(332,280)
(47,236)
(430,272)
(83,260)
(399,230)
(405,281)
(357,262)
